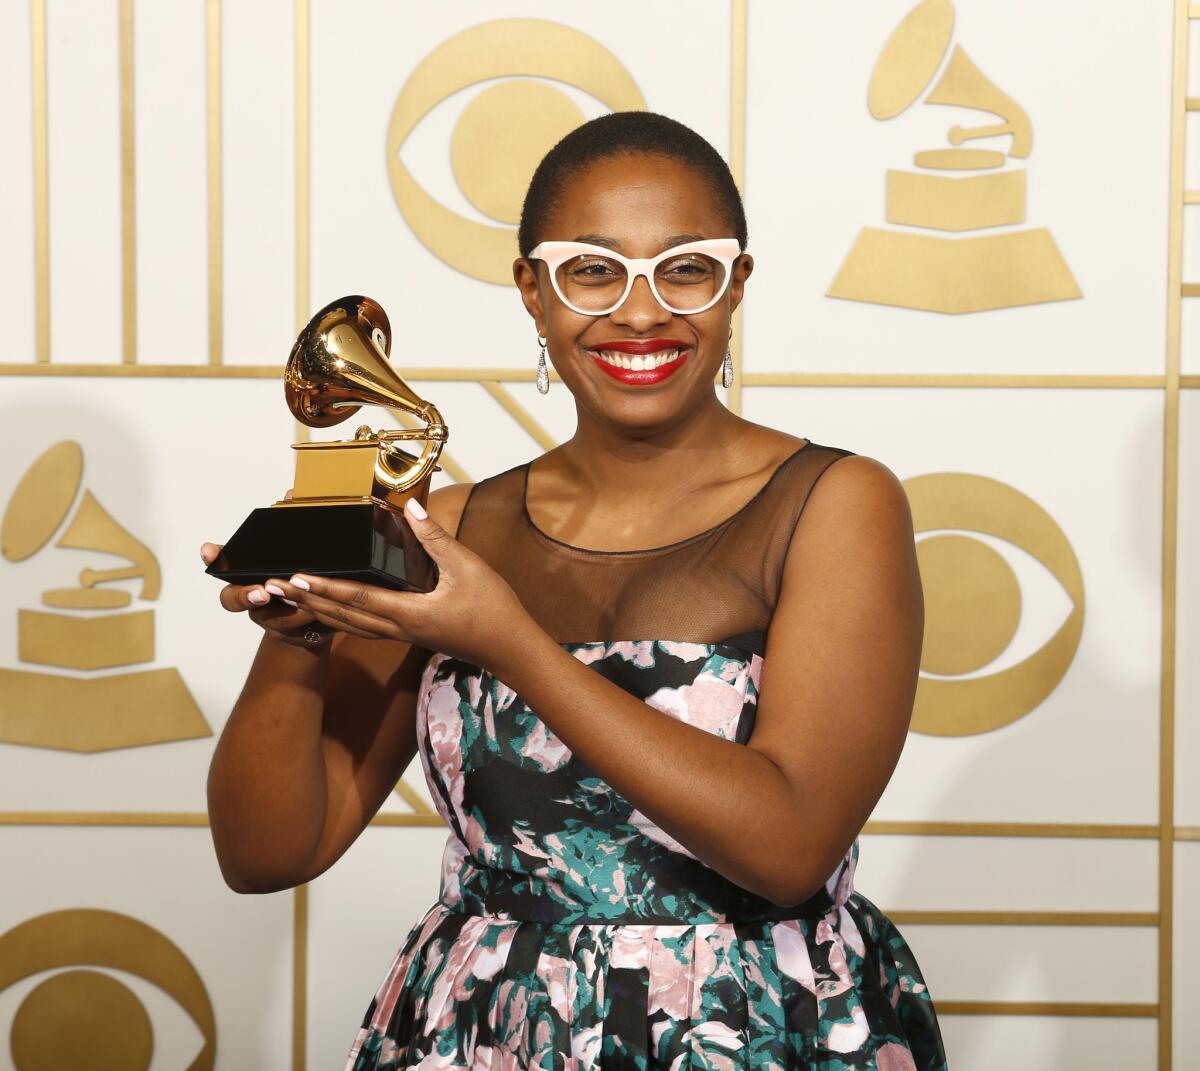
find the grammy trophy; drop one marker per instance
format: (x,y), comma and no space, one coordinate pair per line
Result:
(344,517)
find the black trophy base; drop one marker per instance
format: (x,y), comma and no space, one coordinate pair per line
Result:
(354,541)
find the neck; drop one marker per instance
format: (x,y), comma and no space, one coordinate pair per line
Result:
(614,463)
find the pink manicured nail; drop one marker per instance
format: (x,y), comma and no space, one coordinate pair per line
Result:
(416,509)
(301,583)
(274,589)
(258,596)
(290,603)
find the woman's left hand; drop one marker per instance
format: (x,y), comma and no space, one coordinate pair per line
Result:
(472,614)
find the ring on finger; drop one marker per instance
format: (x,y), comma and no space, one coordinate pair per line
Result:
(316,634)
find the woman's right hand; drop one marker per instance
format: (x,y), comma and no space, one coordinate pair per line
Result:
(267,609)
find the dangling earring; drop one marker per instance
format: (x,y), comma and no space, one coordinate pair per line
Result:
(543,374)
(727,367)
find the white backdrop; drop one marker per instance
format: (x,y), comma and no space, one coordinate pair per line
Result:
(186,182)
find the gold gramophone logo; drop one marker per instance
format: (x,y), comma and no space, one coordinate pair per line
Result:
(937,272)
(501,133)
(77,703)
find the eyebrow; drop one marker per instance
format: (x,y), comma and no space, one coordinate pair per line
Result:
(612,243)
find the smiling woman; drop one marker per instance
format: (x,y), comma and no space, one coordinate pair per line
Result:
(665,675)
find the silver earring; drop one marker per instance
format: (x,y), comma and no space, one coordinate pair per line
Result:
(727,367)
(543,373)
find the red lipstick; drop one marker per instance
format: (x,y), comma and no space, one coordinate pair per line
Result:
(611,355)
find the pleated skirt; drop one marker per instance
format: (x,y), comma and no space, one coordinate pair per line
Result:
(838,992)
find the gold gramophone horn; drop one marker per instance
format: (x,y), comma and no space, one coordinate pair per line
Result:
(339,363)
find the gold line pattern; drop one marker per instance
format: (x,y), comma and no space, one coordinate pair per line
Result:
(891,379)
(303,239)
(391,818)
(737,165)
(407,793)
(1023,918)
(523,375)
(1053,1009)
(41,183)
(128,201)
(1166,751)
(215,198)
(1084,831)
(520,414)
(1016,830)
(299,977)
(103,818)
(303,173)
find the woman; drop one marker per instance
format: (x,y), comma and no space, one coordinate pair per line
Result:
(718,626)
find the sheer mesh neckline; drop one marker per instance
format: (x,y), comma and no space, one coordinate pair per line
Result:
(685,541)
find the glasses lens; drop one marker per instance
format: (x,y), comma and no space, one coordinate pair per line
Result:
(689,281)
(591,281)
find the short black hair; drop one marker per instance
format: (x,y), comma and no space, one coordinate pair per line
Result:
(620,134)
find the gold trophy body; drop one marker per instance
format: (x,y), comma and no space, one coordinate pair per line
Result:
(344,517)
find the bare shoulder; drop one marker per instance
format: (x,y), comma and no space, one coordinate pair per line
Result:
(446,504)
(858,502)
(856,482)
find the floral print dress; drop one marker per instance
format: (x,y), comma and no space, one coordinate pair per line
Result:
(572,933)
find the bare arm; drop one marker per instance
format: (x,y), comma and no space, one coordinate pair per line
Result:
(316,741)
(776,814)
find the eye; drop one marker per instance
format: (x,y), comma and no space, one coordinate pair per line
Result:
(998,573)
(91,986)
(685,269)
(592,270)
(501,93)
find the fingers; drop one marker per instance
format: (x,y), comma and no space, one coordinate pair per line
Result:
(345,604)
(209,552)
(434,538)
(238,597)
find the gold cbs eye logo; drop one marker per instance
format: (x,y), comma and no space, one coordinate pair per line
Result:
(503,131)
(973,603)
(88,1018)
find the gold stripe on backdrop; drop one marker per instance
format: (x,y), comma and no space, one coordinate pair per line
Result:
(300,978)
(1013,829)
(1022,918)
(303,240)
(407,793)
(969,380)
(41,182)
(128,201)
(215,199)
(1016,830)
(520,414)
(303,163)
(1166,752)
(737,165)
(524,375)
(1052,1009)
(391,818)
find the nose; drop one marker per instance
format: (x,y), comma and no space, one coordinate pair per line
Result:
(641,311)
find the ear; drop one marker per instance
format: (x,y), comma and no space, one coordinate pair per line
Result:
(742,267)
(525,275)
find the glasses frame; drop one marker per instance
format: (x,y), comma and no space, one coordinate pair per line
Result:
(555,254)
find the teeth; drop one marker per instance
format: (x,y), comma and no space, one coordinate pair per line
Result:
(638,363)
